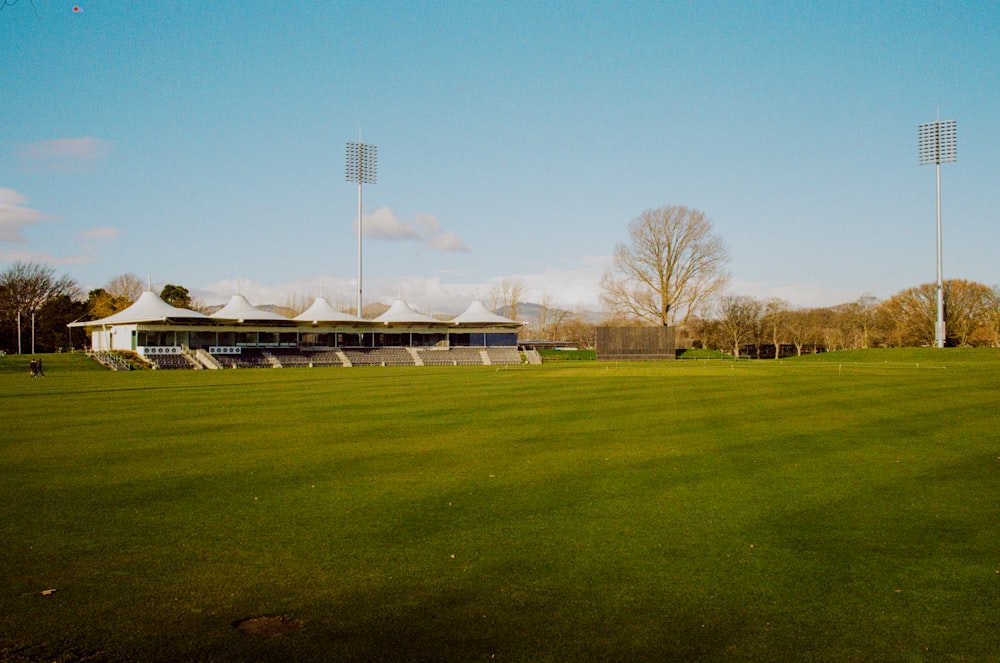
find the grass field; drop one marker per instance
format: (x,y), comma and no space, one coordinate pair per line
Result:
(844,507)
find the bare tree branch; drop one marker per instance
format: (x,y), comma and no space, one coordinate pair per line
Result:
(672,266)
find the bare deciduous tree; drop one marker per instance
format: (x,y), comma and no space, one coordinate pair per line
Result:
(506,295)
(127,286)
(860,322)
(576,329)
(26,287)
(775,323)
(120,293)
(296,303)
(798,328)
(672,265)
(550,317)
(740,319)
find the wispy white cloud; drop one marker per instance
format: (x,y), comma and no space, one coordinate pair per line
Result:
(15,216)
(63,155)
(43,258)
(428,223)
(103,234)
(383,224)
(446,241)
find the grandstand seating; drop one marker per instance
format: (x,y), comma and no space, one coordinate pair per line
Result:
(169,361)
(391,356)
(327,358)
(301,358)
(288,357)
(451,357)
(504,355)
(248,358)
(305,358)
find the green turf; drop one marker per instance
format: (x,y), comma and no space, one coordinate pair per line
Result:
(840,507)
(568,355)
(701,353)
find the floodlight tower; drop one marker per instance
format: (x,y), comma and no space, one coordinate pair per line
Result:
(937,146)
(362,167)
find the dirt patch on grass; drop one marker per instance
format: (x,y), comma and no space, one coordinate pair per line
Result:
(267,626)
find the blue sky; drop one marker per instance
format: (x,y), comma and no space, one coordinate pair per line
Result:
(202,143)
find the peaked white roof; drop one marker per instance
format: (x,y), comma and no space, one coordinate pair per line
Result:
(240,309)
(401,313)
(148,308)
(477,314)
(322,311)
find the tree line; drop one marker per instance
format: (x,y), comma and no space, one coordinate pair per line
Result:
(766,328)
(672,272)
(748,326)
(37,305)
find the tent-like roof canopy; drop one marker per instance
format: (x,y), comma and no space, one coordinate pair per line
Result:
(240,310)
(322,311)
(477,314)
(148,308)
(400,313)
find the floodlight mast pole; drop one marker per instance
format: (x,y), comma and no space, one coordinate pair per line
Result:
(939,330)
(360,235)
(937,146)
(362,167)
